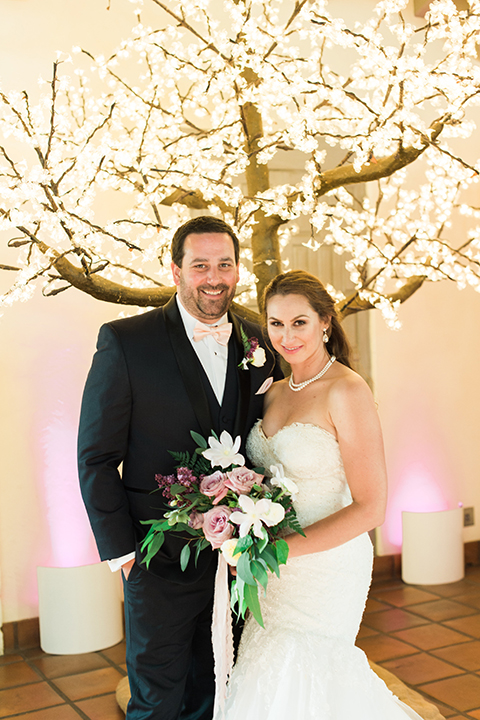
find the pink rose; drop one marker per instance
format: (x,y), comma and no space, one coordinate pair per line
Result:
(216,527)
(214,486)
(241,480)
(195,520)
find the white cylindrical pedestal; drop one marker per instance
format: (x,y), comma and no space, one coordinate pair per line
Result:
(432,549)
(80,609)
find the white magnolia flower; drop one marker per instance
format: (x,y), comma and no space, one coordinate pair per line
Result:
(228,551)
(224,452)
(256,512)
(278,479)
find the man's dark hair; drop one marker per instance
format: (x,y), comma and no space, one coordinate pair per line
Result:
(198,226)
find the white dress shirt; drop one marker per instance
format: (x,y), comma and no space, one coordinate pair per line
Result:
(214,359)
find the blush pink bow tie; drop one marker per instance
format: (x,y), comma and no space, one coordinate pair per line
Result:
(221,333)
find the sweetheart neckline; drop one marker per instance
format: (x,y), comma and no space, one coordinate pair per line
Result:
(293,424)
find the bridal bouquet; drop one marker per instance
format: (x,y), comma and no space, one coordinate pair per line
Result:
(215,500)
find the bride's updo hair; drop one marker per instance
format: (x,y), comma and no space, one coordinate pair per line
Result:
(299,282)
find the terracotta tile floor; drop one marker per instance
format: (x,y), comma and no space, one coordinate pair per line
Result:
(428,636)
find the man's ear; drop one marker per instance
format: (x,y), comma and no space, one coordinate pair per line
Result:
(176,273)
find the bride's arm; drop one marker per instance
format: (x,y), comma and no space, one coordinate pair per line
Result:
(354,416)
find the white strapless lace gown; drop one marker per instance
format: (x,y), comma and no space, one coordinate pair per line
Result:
(304,664)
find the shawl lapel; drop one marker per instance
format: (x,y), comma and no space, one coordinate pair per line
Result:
(244,380)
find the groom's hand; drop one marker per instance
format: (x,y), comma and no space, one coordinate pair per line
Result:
(127,567)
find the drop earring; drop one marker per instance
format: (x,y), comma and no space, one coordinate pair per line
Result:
(325,335)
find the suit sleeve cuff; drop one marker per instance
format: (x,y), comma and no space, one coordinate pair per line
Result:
(116,563)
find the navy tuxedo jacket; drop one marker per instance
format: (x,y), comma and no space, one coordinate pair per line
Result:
(144,393)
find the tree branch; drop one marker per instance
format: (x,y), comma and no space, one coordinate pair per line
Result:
(347,175)
(354,303)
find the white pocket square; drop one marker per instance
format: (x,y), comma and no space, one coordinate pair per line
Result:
(265,386)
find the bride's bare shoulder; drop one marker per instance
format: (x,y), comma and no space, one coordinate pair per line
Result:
(275,391)
(348,386)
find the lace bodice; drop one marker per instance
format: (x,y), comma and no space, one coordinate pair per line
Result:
(311,457)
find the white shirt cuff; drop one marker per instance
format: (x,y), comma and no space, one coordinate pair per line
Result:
(117,563)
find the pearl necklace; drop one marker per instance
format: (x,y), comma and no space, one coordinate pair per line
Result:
(297,387)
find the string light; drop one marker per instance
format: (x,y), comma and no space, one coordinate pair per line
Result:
(191,115)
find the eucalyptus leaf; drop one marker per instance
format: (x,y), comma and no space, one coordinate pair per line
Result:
(239,591)
(262,544)
(199,439)
(243,569)
(282,551)
(271,559)
(157,543)
(259,573)
(251,598)
(177,489)
(243,544)
(185,556)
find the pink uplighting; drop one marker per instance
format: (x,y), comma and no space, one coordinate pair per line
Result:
(418,489)
(71,539)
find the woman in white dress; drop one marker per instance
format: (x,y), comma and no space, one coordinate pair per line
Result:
(321,424)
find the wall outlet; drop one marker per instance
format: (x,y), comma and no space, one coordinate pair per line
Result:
(468,516)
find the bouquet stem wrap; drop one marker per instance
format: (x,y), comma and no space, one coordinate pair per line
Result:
(222,637)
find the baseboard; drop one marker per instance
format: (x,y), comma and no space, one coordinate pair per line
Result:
(21,634)
(24,634)
(389,567)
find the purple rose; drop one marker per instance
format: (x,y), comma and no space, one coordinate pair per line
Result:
(214,486)
(241,480)
(195,520)
(216,527)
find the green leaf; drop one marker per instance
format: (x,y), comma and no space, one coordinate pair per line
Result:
(270,558)
(244,336)
(182,459)
(201,544)
(282,551)
(259,573)
(243,569)
(162,524)
(238,597)
(262,544)
(251,597)
(185,556)
(157,543)
(154,544)
(292,521)
(177,489)
(243,544)
(199,439)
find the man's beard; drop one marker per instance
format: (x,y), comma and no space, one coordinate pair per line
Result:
(207,308)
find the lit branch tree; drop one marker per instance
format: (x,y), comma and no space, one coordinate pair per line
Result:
(189,116)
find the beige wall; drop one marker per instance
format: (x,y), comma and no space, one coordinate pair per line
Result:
(46,345)
(428,392)
(425,375)
(45,352)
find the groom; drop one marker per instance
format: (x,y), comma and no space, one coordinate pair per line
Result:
(154,378)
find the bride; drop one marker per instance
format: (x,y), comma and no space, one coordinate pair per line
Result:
(321,424)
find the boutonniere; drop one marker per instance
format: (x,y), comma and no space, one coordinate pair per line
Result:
(254,354)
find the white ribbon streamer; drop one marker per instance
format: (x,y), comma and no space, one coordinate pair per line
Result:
(222,637)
